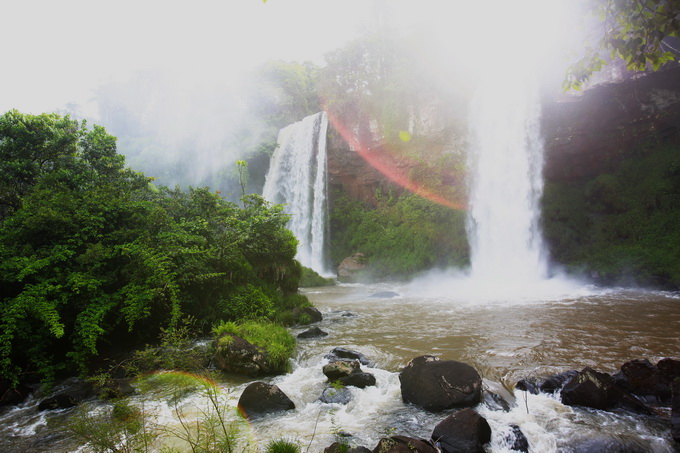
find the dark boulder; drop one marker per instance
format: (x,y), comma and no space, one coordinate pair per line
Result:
(314,332)
(384,295)
(361,380)
(463,432)
(76,392)
(260,398)
(403,444)
(437,385)
(11,396)
(551,384)
(516,440)
(591,388)
(670,368)
(233,354)
(313,314)
(675,411)
(337,447)
(340,353)
(332,395)
(643,379)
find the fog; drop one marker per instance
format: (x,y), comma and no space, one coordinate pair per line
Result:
(178,72)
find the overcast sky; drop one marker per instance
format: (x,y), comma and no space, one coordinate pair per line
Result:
(57,51)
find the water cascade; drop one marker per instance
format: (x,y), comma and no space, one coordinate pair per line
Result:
(506,163)
(297,179)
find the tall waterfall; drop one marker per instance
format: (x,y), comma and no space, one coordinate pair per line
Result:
(506,162)
(297,179)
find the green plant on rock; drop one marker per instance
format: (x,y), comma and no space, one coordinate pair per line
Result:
(283,446)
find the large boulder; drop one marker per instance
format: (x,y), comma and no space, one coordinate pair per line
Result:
(314,332)
(351,266)
(260,398)
(75,392)
(463,432)
(403,444)
(437,385)
(591,388)
(235,355)
(12,395)
(643,379)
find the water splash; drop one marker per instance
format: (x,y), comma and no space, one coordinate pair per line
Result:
(297,178)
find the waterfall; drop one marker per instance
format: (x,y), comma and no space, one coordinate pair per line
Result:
(297,179)
(506,162)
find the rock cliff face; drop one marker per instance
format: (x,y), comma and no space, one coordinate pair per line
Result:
(584,134)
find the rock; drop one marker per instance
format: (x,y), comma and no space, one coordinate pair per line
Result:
(675,411)
(260,398)
(350,266)
(340,369)
(669,368)
(384,295)
(344,353)
(314,332)
(591,388)
(551,384)
(313,313)
(516,440)
(337,447)
(116,388)
(465,431)
(403,444)
(332,395)
(361,380)
(76,392)
(495,402)
(11,396)
(436,385)
(642,378)
(233,354)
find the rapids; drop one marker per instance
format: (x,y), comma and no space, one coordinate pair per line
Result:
(505,340)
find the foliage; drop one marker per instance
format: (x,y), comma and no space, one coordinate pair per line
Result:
(310,278)
(400,236)
(94,259)
(282,446)
(633,31)
(622,226)
(275,340)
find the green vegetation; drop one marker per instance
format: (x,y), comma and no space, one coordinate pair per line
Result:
(310,278)
(275,340)
(283,446)
(631,31)
(400,236)
(95,260)
(622,226)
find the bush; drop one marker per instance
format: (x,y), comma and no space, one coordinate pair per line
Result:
(310,278)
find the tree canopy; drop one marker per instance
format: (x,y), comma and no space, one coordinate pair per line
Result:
(639,32)
(94,258)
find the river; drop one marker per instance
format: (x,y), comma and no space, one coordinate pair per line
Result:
(505,340)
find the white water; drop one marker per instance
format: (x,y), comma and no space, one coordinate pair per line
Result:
(297,179)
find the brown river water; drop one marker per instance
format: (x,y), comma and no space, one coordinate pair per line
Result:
(506,339)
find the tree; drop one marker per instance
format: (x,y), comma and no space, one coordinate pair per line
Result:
(636,31)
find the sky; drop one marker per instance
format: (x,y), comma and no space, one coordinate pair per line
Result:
(57,52)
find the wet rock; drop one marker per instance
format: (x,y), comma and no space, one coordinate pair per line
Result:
(591,388)
(313,314)
(669,368)
(260,398)
(351,266)
(360,380)
(384,295)
(465,431)
(605,445)
(116,388)
(675,411)
(495,402)
(11,396)
(337,447)
(341,369)
(314,332)
(551,384)
(332,395)
(340,353)
(517,440)
(233,354)
(76,392)
(643,379)
(436,385)
(403,444)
